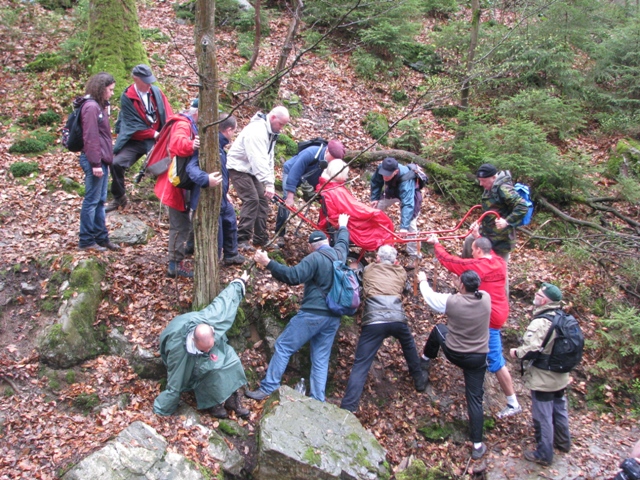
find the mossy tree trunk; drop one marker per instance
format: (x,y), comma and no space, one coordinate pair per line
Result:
(114,43)
(205,222)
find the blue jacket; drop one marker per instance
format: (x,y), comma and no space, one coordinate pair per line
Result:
(316,272)
(303,166)
(224,141)
(404,191)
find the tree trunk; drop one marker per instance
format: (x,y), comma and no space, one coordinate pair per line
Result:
(288,41)
(114,43)
(473,43)
(256,41)
(205,221)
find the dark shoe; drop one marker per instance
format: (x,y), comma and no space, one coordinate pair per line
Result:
(561,448)
(256,394)
(178,270)
(237,259)
(421,382)
(245,247)
(111,246)
(93,246)
(532,457)
(234,403)
(425,364)
(478,453)
(190,248)
(219,411)
(115,204)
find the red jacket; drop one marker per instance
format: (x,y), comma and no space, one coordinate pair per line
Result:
(139,106)
(366,225)
(178,136)
(493,276)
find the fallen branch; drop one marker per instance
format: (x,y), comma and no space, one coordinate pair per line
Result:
(10,382)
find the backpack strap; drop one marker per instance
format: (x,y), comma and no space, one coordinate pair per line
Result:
(554,321)
(325,253)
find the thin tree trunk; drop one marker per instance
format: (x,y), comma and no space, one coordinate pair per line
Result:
(288,41)
(475,28)
(205,221)
(256,41)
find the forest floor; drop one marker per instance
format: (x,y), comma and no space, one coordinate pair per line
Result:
(43,431)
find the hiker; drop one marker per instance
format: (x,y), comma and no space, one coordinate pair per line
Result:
(395,183)
(198,358)
(464,341)
(180,138)
(250,164)
(498,196)
(96,156)
(548,399)
(305,167)
(492,271)
(369,227)
(383,284)
(143,112)
(228,223)
(314,323)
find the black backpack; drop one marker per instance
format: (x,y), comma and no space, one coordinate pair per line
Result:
(415,171)
(72,131)
(568,344)
(314,142)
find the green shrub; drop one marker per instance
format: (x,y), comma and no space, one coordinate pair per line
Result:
(44,61)
(245,44)
(86,401)
(439,7)
(57,4)
(421,57)
(294,105)
(244,80)
(186,10)
(620,337)
(368,66)
(311,37)
(448,111)
(28,145)
(399,96)
(286,146)
(377,125)
(411,138)
(154,35)
(49,118)
(244,21)
(23,169)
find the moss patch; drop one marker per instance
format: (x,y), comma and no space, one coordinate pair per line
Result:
(312,456)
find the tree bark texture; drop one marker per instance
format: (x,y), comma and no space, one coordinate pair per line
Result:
(205,221)
(258,37)
(288,41)
(114,43)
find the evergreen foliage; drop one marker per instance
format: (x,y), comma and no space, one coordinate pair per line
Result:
(377,125)
(23,169)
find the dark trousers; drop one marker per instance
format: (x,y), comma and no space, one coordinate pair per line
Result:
(550,422)
(180,232)
(252,226)
(369,342)
(227,231)
(132,151)
(473,365)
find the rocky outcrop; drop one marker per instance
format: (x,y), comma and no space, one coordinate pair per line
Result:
(128,229)
(303,438)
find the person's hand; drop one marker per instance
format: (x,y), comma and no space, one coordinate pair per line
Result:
(213,357)
(269,191)
(343,219)
(156,135)
(501,223)
(229,199)
(374,203)
(422,277)
(215,178)
(196,142)
(245,276)
(475,229)
(261,257)
(512,352)
(97,171)
(403,230)
(432,239)
(289,200)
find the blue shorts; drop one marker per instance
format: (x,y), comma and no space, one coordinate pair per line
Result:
(495,359)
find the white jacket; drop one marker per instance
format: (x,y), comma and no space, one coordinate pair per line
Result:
(253,151)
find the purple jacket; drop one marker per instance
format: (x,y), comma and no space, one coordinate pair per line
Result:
(96,132)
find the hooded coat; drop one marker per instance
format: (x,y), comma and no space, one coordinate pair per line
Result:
(211,381)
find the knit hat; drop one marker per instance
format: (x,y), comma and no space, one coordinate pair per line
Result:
(552,292)
(486,170)
(317,236)
(195,103)
(143,72)
(336,149)
(388,167)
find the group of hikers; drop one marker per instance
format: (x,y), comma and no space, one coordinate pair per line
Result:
(194,346)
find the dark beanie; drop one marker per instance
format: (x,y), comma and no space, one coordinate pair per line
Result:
(317,236)
(486,170)
(336,149)
(552,292)
(388,167)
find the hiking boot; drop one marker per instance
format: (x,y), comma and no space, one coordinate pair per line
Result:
(235,404)
(111,246)
(478,453)
(219,411)
(245,247)
(563,449)
(532,457)
(509,411)
(93,246)
(421,381)
(115,204)
(256,394)
(425,364)
(176,269)
(237,259)
(190,248)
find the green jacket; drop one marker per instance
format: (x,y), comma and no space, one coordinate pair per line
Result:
(212,382)
(502,198)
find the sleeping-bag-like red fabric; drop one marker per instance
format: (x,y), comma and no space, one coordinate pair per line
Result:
(366,225)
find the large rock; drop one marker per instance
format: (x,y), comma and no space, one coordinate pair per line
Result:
(144,362)
(139,453)
(302,438)
(128,229)
(73,338)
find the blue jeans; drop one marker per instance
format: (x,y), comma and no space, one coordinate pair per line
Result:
(227,231)
(92,224)
(304,327)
